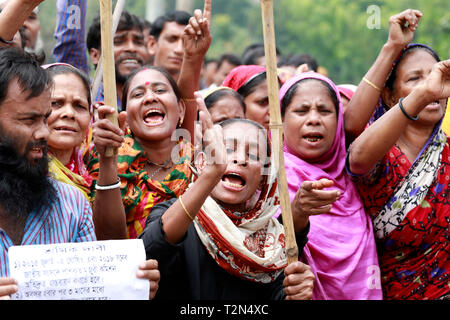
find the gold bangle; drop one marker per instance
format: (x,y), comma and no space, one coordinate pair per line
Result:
(189,99)
(185,210)
(371,84)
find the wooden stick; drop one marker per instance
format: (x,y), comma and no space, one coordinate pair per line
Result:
(118,9)
(109,75)
(276,127)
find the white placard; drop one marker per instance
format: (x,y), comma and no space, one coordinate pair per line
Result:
(98,270)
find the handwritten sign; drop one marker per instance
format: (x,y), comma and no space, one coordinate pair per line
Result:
(99,270)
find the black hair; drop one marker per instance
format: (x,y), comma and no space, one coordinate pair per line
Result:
(180,17)
(299,59)
(164,72)
(251,85)
(251,57)
(231,58)
(20,65)
(211,99)
(287,99)
(258,45)
(208,61)
(128,21)
(411,48)
(146,24)
(65,69)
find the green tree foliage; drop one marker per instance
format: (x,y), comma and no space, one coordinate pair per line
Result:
(338,33)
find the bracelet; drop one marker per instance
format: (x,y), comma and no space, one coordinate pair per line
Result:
(6,41)
(185,210)
(189,99)
(400,104)
(371,84)
(108,187)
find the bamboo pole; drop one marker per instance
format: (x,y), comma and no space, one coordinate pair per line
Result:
(276,127)
(118,9)
(108,68)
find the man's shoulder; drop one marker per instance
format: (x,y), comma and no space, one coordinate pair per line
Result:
(68,192)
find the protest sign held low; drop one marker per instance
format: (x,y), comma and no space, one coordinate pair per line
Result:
(98,270)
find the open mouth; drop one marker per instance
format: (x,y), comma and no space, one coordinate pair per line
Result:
(233,180)
(36,152)
(64,128)
(132,62)
(313,137)
(154,117)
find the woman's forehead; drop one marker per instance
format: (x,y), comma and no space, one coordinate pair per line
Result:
(416,58)
(245,132)
(147,77)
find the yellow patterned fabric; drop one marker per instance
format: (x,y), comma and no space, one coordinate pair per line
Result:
(446,121)
(60,172)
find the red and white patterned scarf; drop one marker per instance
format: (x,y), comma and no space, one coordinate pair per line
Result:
(249,245)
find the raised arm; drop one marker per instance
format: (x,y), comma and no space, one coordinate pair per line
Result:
(70,34)
(177,219)
(363,103)
(196,41)
(376,140)
(14,15)
(108,209)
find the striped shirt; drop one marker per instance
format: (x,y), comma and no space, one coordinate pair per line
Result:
(70,34)
(68,219)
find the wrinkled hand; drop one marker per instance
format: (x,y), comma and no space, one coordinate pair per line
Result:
(8,286)
(401,34)
(104,133)
(197,35)
(299,281)
(213,141)
(437,84)
(149,270)
(311,200)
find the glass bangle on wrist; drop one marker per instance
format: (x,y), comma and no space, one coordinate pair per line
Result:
(6,41)
(108,187)
(400,104)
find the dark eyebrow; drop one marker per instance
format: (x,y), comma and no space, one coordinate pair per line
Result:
(153,85)
(250,145)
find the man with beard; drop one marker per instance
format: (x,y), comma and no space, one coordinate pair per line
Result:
(35,209)
(130,50)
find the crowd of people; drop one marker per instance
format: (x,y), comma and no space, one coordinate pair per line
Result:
(367,164)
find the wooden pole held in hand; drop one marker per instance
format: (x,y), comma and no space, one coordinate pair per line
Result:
(108,67)
(276,127)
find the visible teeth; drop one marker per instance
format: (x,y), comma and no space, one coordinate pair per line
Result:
(154,111)
(129,61)
(313,139)
(235,185)
(153,121)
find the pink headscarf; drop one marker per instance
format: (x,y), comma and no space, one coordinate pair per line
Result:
(242,75)
(341,246)
(347,90)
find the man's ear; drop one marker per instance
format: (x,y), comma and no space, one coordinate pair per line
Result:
(151,45)
(95,55)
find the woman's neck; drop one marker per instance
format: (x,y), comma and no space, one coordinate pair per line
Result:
(157,152)
(64,156)
(239,207)
(413,140)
